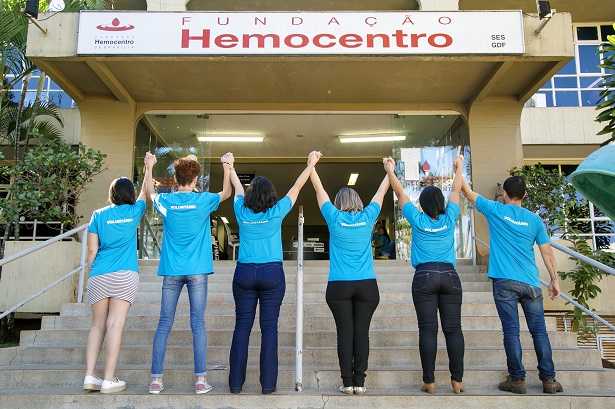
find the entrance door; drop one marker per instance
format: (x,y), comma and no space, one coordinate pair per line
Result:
(281,157)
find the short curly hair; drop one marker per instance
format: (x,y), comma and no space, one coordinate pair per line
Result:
(186,169)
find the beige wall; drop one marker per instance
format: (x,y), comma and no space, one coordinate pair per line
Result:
(495,142)
(560,125)
(30,274)
(110,128)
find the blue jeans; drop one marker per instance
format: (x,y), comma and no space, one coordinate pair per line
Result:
(256,283)
(436,287)
(197,294)
(507,293)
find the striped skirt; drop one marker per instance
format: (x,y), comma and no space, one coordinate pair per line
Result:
(121,284)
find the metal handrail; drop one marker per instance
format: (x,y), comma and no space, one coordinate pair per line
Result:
(564,296)
(80,269)
(299,302)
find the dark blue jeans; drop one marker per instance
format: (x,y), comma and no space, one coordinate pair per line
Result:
(256,283)
(507,294)
(436,286)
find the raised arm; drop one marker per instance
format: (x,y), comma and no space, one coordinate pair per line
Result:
(321,194)
(227,164)
(237,186)
(313,158)
(549,259)
(147,187)
(458,180)
(389,167)
(382,190)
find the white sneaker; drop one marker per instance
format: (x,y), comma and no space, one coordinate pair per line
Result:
(360,390)
(92,383)
(348,390)
(202,387)
(111,387)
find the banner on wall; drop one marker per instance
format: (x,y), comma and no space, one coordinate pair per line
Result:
(298,33)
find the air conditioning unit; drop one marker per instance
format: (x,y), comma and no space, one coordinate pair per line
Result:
(537,101)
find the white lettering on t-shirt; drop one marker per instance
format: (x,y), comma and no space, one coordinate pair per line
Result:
(184,207)
(258,222)
(516,222)
(119,221)
(353,224)
(436,230)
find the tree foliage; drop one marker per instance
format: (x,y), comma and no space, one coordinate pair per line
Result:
(606,103)
(48,182)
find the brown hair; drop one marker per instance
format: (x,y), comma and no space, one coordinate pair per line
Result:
(186,169)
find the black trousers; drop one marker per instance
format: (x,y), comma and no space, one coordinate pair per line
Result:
(436,286)
(353,304)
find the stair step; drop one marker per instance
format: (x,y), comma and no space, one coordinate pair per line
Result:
(377,338)
(285,323)
(219,355)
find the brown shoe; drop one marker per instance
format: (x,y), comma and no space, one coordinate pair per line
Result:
(509,385)
(551,386)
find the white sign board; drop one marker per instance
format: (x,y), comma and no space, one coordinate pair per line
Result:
(411,157)
(298,33)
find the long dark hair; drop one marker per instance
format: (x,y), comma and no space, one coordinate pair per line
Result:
(432,201)
(260,195)
(122,191)
(386,234)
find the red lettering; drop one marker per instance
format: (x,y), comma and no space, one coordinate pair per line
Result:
(318,44)
(399,39)
(186,38)
(185,20)
(289,40)
(220,23)
(258,20)
(385,40)
(448,40)
(351,40)
(407,20)
(297,21)
(226,41)
(275,39)
(332,21)
(414,39)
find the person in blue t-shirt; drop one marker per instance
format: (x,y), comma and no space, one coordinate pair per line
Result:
(113,274)
(436,285)
(352,291)
(381,246)
(186,259)
(513,231)
(259,275)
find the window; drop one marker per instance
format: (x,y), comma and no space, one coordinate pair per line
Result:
(51,92)
(579,82)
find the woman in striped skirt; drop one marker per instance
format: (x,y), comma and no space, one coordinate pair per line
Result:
(113,276)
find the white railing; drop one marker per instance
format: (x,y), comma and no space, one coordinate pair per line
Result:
(299,302)
(80,269)
(590,261)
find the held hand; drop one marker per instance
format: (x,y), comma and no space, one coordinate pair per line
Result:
(313,158)
(457,162)
(228,158)
(150,159)
(389,164)
(554,290)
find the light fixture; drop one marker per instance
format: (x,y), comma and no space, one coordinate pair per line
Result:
(352,180)
(224,219)
(231,138)
(371,138)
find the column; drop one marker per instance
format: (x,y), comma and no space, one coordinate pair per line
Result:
(167,5)
(438,5)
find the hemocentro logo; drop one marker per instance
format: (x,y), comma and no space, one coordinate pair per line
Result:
(115,26)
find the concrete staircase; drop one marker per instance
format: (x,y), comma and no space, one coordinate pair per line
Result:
(47,369)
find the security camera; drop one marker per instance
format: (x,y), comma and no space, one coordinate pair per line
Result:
(544,9)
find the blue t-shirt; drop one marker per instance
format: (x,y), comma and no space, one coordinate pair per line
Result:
(384,249)
(260,234)
(186,243)
(116,227)
(350,246)
(432,240)
(513,231)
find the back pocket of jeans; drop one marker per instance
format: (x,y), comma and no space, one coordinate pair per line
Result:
(455,281)
(420,281)
(504,290)
(273,273)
